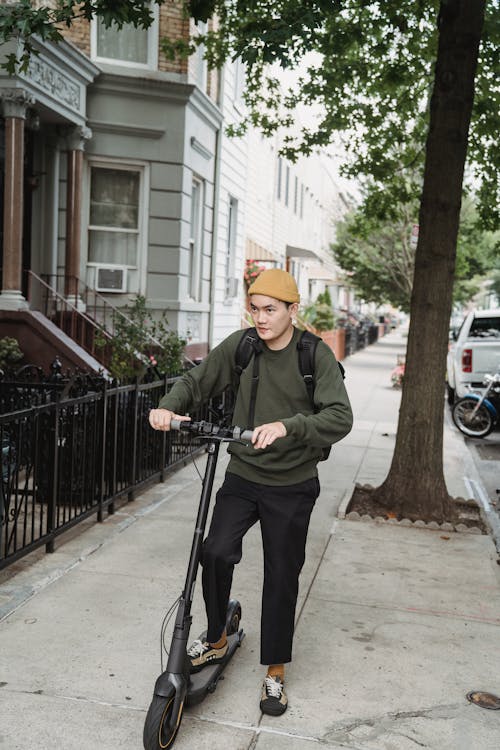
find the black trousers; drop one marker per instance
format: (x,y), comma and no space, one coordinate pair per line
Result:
(284,514)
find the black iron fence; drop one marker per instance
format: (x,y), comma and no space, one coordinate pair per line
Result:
(67,458)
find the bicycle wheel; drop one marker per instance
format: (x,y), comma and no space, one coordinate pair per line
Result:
(471,423)
(158,732)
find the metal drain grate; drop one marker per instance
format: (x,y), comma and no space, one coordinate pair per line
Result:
(485,700)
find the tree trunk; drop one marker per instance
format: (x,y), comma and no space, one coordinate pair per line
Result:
(415,486)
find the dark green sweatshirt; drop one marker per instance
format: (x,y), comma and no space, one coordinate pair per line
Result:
(281,396)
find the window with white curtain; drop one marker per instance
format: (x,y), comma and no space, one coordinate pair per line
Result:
(196,239)
(129,45)
(114,215)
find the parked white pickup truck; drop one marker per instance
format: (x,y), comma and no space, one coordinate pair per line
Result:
(474,351)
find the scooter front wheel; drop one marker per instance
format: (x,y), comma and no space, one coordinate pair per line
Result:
(478,424)
(159,730)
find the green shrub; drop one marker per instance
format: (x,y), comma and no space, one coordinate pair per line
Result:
(10,352)
(132,350)
(320,313)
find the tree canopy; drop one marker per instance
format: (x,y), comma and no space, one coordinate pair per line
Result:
(377,257)
(365,66)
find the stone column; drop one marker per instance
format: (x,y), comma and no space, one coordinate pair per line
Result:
(14,105)
(75,143)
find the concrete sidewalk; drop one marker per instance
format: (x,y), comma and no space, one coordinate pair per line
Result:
(395,625)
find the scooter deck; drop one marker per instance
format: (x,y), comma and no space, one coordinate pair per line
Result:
(205,681)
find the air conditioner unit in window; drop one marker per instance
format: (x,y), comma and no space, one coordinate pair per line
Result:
(111,279)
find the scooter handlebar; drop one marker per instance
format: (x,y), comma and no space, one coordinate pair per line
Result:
(208,429)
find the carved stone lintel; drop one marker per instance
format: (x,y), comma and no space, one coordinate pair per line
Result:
(15,102)
(53,82)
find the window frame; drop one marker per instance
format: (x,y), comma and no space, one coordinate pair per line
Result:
(152,45)
(196,239)
(199,64)
(231,245)
(142,169)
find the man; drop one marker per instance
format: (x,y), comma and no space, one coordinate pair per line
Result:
(274,480)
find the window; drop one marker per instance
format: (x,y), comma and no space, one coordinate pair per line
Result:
(296,195)
(239,80)
(302,201)
(287,184)
(484,328)
(199,63)
(232,227)
(114,215)
(196,239)
(135,47)
(280,170)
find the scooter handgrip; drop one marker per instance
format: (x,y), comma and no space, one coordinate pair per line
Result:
(176,424)
(246,436)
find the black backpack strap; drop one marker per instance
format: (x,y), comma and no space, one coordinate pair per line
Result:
(253,391)
(249,346)
(307,350)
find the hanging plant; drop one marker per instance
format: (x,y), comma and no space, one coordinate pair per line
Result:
(253,269)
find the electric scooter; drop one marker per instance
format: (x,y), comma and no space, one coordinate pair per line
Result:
(176,687)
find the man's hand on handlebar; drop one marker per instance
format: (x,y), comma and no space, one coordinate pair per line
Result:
(266,434)
(160,419)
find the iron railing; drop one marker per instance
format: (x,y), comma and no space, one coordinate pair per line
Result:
(67,459)
(83,314)
(66,314)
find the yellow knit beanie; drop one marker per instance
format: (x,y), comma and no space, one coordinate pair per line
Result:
(276,283)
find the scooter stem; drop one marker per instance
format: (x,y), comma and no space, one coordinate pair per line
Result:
(177,656)
(201,521)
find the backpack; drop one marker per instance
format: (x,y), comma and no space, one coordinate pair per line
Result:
(250,345)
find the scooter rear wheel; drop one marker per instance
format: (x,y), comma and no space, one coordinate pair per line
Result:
(233,617)
(157,732)
(477,425)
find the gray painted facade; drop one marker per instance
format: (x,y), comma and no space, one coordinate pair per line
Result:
(151,126)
